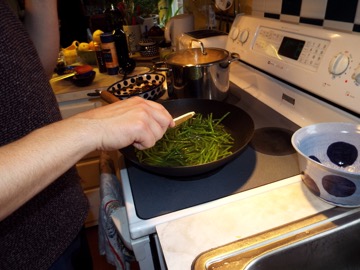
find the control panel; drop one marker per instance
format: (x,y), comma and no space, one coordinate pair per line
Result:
(321,61)
(304,51)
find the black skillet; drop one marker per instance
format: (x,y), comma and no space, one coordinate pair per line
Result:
(238,123)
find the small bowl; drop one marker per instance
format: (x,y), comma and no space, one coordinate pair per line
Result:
(84,79)
(148,48)
(148,86)
(328,155)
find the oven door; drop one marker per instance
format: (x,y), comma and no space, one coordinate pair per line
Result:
(146,249)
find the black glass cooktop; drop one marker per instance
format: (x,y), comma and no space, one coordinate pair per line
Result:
(269,157)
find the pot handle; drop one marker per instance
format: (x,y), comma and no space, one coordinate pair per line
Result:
(161,66)
(234,57)
(202,48)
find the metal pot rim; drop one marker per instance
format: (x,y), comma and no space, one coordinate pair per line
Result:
(195,57)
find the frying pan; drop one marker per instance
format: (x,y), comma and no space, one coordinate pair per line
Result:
(238,123)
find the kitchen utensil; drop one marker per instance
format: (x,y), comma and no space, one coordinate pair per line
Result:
(238,123)
(328,155)
(200,72)
(110,98)
(80,71)
(182,118)
(61,77)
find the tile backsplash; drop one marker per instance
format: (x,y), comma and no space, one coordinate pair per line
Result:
(333,14)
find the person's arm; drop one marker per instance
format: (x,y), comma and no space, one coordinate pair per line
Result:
(30,164)
(41,22)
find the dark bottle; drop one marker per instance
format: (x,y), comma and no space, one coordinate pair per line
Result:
(113,17)
(100,58)
(116,22)
(125,62)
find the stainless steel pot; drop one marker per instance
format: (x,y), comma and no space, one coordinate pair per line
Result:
(199,72)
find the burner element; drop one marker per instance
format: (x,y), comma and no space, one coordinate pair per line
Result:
(272,141)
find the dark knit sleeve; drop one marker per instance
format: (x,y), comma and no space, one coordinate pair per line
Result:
(34,236)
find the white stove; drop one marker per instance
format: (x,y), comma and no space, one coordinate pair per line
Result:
(290,76)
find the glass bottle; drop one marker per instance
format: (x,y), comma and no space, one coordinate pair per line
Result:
(126,63)
(100,58)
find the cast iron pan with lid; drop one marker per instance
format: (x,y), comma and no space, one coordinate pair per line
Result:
(238,123)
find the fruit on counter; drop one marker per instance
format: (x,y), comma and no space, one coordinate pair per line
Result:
(92,46)
(96,36)
(83,46)
(83,69)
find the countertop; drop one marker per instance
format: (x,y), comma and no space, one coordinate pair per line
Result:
(257,210)
(65,90)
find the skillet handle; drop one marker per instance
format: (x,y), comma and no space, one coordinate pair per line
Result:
(108,97)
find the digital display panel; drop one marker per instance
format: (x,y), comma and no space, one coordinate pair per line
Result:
(291,47)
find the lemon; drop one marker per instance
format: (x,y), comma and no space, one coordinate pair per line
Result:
(96,36)
(83,46)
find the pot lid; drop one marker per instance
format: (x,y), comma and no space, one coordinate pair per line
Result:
(195,57)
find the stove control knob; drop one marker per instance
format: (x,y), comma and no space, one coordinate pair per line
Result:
(244,35)
(356,75)
(339,64)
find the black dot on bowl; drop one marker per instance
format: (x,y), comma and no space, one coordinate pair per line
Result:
(338,186)
(310,183)
(314,158)
(146,96)
(132,80)
(148,77)
(157,77)
(342,154)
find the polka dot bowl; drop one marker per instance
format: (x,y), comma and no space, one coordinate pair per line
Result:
(148,86)
(328,155)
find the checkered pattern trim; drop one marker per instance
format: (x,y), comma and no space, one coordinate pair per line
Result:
(333,14)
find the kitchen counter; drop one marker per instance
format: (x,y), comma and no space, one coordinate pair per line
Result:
(65,90)
(258,210)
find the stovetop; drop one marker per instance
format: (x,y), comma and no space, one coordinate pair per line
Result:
(268,158)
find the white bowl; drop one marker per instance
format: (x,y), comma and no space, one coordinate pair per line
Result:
(329,161)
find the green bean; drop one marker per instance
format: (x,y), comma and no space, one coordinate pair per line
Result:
(197,141)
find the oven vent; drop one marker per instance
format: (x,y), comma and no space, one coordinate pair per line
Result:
(288,99)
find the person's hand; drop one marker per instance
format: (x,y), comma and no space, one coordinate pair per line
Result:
(133,121)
